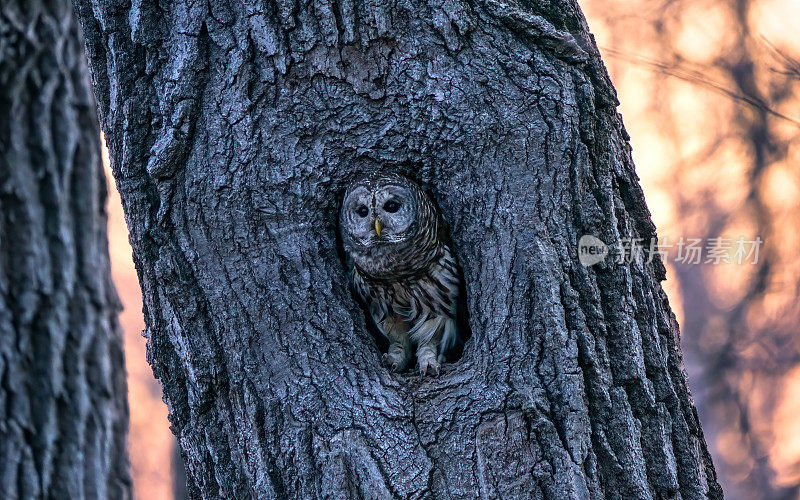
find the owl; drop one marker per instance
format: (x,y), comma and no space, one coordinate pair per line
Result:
(402,269)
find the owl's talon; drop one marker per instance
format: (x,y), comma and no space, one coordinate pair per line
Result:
(392,362)
(429,365)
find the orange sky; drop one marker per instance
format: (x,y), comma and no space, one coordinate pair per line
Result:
(661,144)
(150,440)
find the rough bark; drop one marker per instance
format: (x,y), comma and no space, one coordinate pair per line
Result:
(63,396)
(233,129)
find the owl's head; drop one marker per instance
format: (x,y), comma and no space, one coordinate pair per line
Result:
(386,220)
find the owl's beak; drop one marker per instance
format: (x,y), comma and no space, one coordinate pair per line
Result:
(377,227)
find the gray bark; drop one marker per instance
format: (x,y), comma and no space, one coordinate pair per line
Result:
(233,129)
(63,395)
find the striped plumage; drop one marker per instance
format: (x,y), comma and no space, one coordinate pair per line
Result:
(402,269)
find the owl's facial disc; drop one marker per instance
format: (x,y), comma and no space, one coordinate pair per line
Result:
(376,215)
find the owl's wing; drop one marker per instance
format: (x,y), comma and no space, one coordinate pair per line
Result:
(431,311)
(377,307)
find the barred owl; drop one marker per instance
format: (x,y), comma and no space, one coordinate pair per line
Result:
(402,270)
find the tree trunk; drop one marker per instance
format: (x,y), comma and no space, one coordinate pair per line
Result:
(234,128)
(63,395)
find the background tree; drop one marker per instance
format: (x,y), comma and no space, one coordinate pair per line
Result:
(233,128)
(63,399)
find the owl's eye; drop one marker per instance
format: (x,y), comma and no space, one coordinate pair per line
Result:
(391,206)
(362,211)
